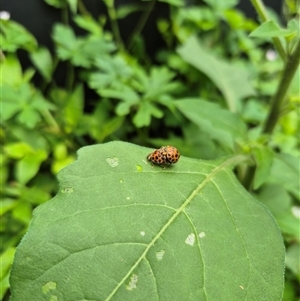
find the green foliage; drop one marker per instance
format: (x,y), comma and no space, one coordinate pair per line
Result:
(176,235)
(215,90)
(14,36)
(219,124)
(233,81)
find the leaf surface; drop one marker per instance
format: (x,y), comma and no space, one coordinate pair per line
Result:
(271,29)
(233,81)
(219,124)
(121,229)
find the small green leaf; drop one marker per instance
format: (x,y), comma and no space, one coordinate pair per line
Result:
(29,165)
(220,124)
(110,127)
(14,36)
(65,39)
(144,113)
(89,24)
(233,81)
(10,102)
(159,82)
(43,61)
(34,195)
(73,109)
(6,206)
(29,117)
(23,212)
(12,69)
(60,151)
(263,157)
(121,229)
(292,258)
(61,158)
(24,100)
(143,116)
(113,72)
(6,260)
(237,20)
(81,51)
(17,150)
(269,29)
(278,201)
(275,198)
(285,171)
(294,26)
(254,111)
(289,224)
(58,165)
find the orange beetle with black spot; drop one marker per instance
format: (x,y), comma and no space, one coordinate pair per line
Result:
(164,155)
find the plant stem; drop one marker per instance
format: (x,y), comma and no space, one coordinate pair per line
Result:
(277,106)
(261,11)
(83,9)
(141,23)
(247,180)
(70,76)
(51,121)
(280,95)
(112,14)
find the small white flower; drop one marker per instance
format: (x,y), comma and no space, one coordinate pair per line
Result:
(4,15)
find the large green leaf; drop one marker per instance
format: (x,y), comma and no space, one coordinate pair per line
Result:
(218,123)
(232,80)
(121,229)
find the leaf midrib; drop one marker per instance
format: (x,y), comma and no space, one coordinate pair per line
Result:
(174,216)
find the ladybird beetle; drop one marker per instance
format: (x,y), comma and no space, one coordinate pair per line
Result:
(164,155)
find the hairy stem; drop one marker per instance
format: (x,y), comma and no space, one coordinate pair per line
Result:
(278,102)
(279,97)
(261,11)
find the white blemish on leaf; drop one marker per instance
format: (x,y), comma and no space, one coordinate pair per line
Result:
(142,233)
(128,198)
(241,287)
(160,254)
(113,162)
(132,283)
(201,234)
(190,240)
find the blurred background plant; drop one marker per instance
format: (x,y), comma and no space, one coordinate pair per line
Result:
(151,73)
